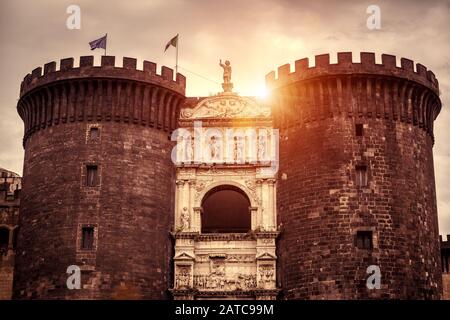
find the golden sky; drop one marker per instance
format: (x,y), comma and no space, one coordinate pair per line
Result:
(257,36)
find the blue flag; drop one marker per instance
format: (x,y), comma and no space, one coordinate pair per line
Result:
(99,43)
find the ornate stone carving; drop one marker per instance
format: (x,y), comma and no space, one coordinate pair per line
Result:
(251,185)
(200,186)
(183,277)
(227,105)
(215,282)
(230,258)
(266,276)
(226,264)
(224,172)
(217,266)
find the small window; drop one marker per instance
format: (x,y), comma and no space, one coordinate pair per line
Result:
(87,241)
(364,240)
(91,176)
(361,176)
(4,241)
(359,129)
(94,133)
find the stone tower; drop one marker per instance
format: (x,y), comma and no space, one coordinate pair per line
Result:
(98,180)
(356,183)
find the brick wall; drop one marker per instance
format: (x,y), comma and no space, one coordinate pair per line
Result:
(131,209)
(10,185)
(446,286)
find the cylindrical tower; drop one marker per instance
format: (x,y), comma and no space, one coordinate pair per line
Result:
(357,183)
(98,180)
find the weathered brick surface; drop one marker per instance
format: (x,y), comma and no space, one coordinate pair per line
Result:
(10,185)
(319,205)
(446,286)
(6,276)
(131,208)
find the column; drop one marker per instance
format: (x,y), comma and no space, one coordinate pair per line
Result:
(178,202)
(192,220)
(265,205)
(260,205)
(271,205)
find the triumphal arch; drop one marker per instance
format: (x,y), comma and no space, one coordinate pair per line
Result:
(225,226)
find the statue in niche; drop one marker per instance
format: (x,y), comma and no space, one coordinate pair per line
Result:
(184,219)
(214,148)
(180,148)
(189,146)
(262,146)
(238,150)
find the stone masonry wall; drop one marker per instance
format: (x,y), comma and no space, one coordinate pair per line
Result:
(320,206)
(10,185)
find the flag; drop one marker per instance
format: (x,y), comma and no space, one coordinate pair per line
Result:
(172,42)
(99,43)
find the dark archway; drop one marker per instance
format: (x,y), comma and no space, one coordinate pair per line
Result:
(226,209)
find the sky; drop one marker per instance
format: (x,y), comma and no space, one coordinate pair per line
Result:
(257,36)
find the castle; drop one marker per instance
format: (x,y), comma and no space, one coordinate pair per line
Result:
(332,175)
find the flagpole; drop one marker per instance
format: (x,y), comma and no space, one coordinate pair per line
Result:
(176,59)
(106,42)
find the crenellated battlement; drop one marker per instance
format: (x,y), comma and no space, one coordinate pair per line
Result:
(107,69)
(346,65)
(88,93)
(355,89)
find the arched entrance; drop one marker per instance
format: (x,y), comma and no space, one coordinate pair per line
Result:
(226,209)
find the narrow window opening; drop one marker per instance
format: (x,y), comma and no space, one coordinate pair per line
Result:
(91,176)
(364,240)
(361,176)
(359,129)
(87,242)
(4,241)
(94,133)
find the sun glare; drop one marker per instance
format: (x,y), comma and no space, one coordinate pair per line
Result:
(262,92)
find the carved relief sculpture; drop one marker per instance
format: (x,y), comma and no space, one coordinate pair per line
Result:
(182,278)
(184,219)
(266,276)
